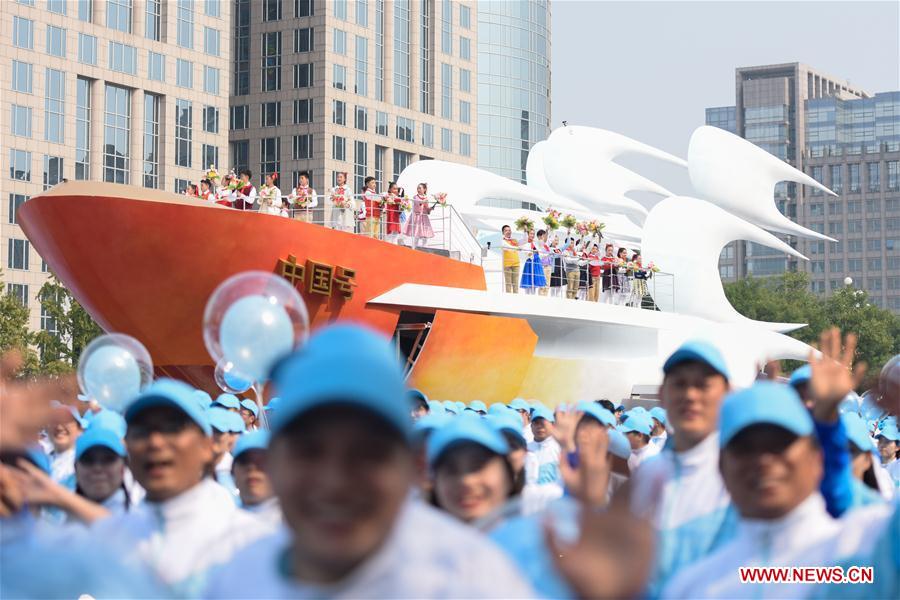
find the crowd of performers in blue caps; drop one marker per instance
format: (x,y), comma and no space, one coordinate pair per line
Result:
(363,488)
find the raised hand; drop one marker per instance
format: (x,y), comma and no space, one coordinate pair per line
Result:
(563,430)
(833,373)
(588,482)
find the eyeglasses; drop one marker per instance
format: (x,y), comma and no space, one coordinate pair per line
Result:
(137,431)
(103,459)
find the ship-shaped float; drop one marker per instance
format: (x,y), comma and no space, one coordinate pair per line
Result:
(143,262)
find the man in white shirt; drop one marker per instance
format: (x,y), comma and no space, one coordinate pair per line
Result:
(659,435)
(188,523)
(342,467)
(636,428)
(248,470)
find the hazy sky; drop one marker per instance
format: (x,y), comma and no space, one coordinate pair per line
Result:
(648,69)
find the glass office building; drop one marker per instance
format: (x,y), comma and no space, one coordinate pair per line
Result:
(513,83)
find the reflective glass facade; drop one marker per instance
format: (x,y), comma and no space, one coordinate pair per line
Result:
(513,83)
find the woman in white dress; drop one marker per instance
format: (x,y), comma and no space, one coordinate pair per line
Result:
(342,205)
(270,196)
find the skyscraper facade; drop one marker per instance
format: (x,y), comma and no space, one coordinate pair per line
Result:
(364,86)
(123,91)
(513,83)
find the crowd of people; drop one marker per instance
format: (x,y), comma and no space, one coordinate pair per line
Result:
(362,487)
(540,265)
(390,215)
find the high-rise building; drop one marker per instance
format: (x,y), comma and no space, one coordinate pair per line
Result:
(513,83)
(363,86)
(105,90)
(844,138)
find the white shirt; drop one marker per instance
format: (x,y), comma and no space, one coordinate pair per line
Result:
(660,440)
(267,510)
(182,538)
(886,483)
(62,465)
(640,455)
(427,555)
(527,433)
(893,469)
(543,482)
(311,197)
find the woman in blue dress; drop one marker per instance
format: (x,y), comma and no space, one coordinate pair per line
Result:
(533,277)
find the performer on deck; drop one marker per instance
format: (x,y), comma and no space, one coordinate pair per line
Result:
(510,261)
(206,192)
(225,192)
(546,260)
(372,201)
(558,275)
(270,196)
(418,226)
(639,286)
(246,193)
(342,205)
(608,265)
(533,271)
(302,199)
(392,213)
(595,270)
(571,260)
(623,283)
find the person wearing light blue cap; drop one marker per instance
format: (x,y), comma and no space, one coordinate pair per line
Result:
(772,464)
(658,435)
(342,467)
(888,440)
(419,405)
(478,406)
(522,407)
(510,427)
(637,428)
(543,480)
(187,523)
(228,402)
(450,407)
(100,468)
(248,470)
(272,406)
(203,398)
(249,413)
(65,428)
(435,407)
(862,462)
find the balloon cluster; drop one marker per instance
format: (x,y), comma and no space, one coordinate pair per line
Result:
(113,369)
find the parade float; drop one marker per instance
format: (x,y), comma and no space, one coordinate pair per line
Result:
(144,262)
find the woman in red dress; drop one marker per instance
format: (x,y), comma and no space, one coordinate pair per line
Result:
(392,207)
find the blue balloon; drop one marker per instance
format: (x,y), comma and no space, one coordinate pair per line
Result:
(112,376)
(254,334)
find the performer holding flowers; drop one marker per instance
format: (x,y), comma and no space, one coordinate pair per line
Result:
(245,196)
(373,203)
(205,192)
(342,204)
(270,196)
(533,272)
(595,270)
(546,260)
(639,286)
(607,268)
(418,226)
(303,198)
(392,202)
(225,192)
(623,285)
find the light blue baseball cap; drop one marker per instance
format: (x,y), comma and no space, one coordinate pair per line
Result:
(99,436)
(594,411)
(638,422)
(429,423)
(251,406)
(417,395)
(254,440)
(460,406)
(316,376)
(801,375)
(203,398)
(498,408)
(889,430)
(435,407)
(478,406)
(856,432)
(228,401)
(508,422)
(272,404)
(697,351)
(542,412)
(466,428)
(109,419)
(450,407)
(659,413)
(219,419)
(169,392)
(520,404)
(618,443)
(764,402)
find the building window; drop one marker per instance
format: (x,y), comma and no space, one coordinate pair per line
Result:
(836,265)
(17,254)
(303,111)
(212,8)
(874,176)
(151,140)
(465,17)
(465,48)
(465,80)
(86,10)
(873,245)
(210,119)
(271,10)
(854,226)
(123,58)
(242,48)
(380,156)
(446,140)
(428,135)
(362,71)
(23,33)
(401,161)
(893,175)
(210,80)
(303,8)
(118,15)
(116,134)
(339,42)
(185,24)
(446,91)
(54,106)
(401,53)
(816,173)
(156,66)
(854,206)
(56,41)
(426,50)
(181,185)
(87,49)
(816,247)
(873,225)
(835,228)
(303,40)
(339,148)
(361,118)
(184,130)
(873,206)
(19,165)
(873,264)
(53,171)
(303,75)
(240,117)
(340,77)
(406,129)
(211,39)
(360,164)
(362,13)
(816,209)
(340,9)
(184,73)
(339,112)
(152,20)
(82,128)
(271,61)
(19,291)
(20,121)
(302,147)
(854,246)
(270,114)
(465,112)
(465,144)
(269,155)
(240,155)
(837,185)
(15,201)
(210,155)
(22,77)
(381,123)
(379,49)
(447,27)
(854,177)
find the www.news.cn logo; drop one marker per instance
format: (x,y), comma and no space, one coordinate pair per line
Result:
(807,575)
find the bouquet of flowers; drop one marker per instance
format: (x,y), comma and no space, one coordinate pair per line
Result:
(568,221)
(524,224)
(302,200)
(581,227)
(212,173)
(595,226)
(551,219)
(440,198)
(651,266)
(405,204)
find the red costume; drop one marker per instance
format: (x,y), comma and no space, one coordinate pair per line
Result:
(373,204)
(392,210)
